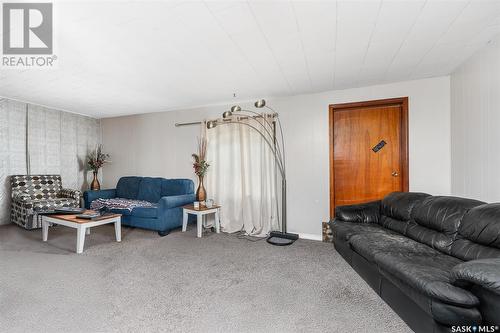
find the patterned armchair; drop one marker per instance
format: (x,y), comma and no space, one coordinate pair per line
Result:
(32,194)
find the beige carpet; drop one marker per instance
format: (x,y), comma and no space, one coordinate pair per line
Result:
(180,283)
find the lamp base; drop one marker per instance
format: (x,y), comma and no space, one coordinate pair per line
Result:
(279,238)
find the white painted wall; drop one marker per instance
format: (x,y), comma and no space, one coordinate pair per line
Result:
(475,122)
(150,144)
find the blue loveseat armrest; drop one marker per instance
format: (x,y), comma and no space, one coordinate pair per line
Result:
(89,196)
(175,201)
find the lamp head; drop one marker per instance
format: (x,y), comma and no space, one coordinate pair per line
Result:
(235,108)
(260,103)
(227,114)
(211,124)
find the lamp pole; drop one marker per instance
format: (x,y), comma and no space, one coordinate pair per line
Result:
(267,131)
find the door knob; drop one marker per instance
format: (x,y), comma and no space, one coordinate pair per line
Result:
(395,174)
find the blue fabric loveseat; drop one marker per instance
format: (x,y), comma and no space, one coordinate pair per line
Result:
(167,196)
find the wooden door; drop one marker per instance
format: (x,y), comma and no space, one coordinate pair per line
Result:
(368,150)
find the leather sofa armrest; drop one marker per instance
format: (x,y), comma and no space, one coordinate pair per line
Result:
(362,213)
(20,196)
(70,193)
(89,196)
(174,201)
(482,272)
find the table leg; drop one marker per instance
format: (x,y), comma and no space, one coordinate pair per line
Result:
(80,238)
(217,221)
(118,230)
(184,220)
(45,230)
(199,223)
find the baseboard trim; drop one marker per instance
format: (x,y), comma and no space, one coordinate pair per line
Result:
(311,237)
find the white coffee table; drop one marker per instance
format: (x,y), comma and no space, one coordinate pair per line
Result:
(82,226)
(200,213)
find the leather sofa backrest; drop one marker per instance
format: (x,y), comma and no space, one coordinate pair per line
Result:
(176,187)
(128,187)
(435,221)
(150,189)
(479,234)
(396,208)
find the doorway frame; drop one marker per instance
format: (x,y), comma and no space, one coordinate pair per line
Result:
(400,101)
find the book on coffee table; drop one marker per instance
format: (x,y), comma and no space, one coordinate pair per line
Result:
(88,215)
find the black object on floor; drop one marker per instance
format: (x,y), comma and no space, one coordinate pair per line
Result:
(279,238)
(163,233)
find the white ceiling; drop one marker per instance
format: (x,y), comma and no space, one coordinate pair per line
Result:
(123,57)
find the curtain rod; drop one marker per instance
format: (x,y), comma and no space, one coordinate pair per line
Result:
(188,124)
(201,122)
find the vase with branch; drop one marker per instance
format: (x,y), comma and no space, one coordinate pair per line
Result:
(96,160)
(200,167)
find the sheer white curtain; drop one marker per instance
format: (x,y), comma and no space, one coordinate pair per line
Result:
(242,178)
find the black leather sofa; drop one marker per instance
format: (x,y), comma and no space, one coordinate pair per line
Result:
(435,260)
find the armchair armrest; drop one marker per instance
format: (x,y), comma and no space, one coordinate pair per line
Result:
(363,213)
(176,201)
(20,196)
(90,196)
(482,272)
(69,193)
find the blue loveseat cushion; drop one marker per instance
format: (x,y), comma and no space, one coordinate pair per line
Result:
(128,187)
(146,212)
(124,212)
(171,187)
(149,212)
(174,201)
(150,189)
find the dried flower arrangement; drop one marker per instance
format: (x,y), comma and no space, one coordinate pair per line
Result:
(96,159)
(200,165)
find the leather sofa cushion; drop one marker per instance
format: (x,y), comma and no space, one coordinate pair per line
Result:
(398,205)
(398,226)
(362,213)
(479,234)
(345,230)
(369,247)
(468,250)
(421,267)
(171,187)
(128,187)
(150,189)
(435,221)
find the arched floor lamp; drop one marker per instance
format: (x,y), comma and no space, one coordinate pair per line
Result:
(265,125)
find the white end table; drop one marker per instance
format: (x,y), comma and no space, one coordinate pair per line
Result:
(200,215)
(82,226)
